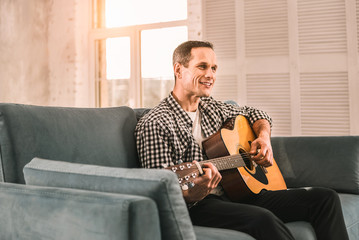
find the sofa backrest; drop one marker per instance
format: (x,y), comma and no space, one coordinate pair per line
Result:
(99,136)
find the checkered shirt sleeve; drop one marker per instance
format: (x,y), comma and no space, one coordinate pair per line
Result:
(251,113)
(152,145)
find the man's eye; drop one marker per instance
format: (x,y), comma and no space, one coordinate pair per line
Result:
(202,66)
(214,69)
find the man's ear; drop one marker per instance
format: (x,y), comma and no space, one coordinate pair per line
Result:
(177,69)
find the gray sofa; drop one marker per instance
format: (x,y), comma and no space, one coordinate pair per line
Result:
(73,173)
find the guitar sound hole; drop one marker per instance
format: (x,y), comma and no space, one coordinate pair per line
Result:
(246,159)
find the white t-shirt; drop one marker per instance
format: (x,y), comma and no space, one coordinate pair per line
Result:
(199,137)
(196,127)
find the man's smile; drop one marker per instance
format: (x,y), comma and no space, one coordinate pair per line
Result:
(206,83)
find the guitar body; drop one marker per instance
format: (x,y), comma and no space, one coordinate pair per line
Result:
(243,182)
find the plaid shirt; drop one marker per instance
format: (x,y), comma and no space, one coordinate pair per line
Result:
(164,135)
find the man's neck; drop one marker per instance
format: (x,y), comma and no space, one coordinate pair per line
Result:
(189,104)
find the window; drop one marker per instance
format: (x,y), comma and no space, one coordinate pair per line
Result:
(156,66)
(133,42)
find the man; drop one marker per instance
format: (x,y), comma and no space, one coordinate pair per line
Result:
(173,132)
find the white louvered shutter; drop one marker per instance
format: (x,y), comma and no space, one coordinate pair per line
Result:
(324,103)
(321,26)
(266,27)
(291,58)
(266,45)
(220,28)
(271,93)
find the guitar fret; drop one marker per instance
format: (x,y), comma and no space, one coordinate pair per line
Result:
(227,162)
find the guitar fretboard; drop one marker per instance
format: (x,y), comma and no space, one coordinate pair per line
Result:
(227,162)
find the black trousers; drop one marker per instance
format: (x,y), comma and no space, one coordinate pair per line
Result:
(263,216)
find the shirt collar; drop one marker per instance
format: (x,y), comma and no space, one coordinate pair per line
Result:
(208,121)
(178,110)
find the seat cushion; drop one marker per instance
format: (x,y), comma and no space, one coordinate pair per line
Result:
(206,233)
(301,230)
(350,206)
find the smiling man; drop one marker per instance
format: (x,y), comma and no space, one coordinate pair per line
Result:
(173,131)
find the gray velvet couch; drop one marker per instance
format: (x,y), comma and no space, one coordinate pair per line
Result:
(73,173)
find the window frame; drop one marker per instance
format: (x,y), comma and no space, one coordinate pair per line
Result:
(98,32)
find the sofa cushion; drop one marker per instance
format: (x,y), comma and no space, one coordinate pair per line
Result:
(350,206)
(301,230)
(160,185)
(83,135)
(31,212)
(331,162)
(207,233)
(140,112)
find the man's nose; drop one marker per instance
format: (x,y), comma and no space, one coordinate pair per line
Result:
(209,73)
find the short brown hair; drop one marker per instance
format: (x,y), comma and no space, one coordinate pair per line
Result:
(182,54)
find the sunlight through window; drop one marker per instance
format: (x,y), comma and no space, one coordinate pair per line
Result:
(134,42)
(157,46)
(120,13)
(118,57)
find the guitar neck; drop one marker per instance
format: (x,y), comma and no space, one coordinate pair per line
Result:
(227,162)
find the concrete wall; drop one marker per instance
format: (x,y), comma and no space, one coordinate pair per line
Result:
(69,26)
(44,52)
(24,75)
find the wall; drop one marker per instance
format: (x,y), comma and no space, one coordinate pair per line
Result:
(44,52)
(195,20)
(68,53)
(23,47)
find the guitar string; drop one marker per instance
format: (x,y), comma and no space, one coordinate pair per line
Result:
(246,154)
(242,155)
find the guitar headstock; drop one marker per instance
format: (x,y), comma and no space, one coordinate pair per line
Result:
(186,172)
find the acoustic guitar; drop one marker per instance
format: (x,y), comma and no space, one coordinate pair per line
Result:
(228,150)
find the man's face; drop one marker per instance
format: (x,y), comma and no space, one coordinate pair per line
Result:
(198,78)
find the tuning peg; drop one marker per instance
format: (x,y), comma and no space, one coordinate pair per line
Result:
(191,184)
(184,187)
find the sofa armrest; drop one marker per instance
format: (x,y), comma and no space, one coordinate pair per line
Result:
(31,212)
(331,162)
(160,185)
